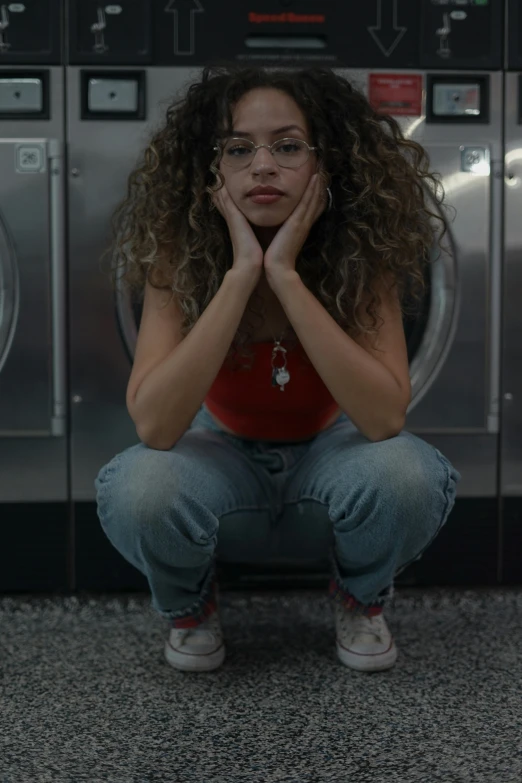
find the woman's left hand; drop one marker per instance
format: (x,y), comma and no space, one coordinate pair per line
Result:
(282,252)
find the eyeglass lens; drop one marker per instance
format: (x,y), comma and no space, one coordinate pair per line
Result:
(289,153)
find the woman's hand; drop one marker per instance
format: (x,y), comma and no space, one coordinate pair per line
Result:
(248,254)
(282,253)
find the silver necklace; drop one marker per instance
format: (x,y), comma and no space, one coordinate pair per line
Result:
(280,375)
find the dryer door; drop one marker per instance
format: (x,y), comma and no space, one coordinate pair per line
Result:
(32,284)
(453,372)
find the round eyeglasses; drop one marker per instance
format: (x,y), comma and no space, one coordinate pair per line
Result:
(288,153)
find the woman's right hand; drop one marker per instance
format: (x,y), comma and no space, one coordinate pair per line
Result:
(248,254)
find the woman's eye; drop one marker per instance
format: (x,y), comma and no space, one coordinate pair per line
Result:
(238,149)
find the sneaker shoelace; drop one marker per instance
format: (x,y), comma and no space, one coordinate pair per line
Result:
(366,628)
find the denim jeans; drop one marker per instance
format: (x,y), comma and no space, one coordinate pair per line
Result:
(370,508)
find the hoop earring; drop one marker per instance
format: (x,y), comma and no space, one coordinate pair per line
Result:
(330,197)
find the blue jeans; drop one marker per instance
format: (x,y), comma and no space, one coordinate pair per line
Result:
(372,508)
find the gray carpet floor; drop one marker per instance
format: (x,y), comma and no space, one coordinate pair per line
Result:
(85,694)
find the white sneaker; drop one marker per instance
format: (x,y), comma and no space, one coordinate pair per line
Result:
(364,643)
(199,649)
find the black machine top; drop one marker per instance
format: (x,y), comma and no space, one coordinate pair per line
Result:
(434,34)
(514,44)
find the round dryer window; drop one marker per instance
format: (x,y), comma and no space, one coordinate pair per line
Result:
(428,332)
(9,294)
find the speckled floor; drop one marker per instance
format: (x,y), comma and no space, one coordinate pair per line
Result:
(85,694)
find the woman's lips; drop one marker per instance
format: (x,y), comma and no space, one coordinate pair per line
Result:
(266,198)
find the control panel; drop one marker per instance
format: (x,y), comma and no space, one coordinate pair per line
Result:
(373,33)
(111,33)
(462,99)
(422,34)
(24,94)
(31,32)
(443,34)
(462,33)
(113,95)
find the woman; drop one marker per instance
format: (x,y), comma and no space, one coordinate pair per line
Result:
(311,281)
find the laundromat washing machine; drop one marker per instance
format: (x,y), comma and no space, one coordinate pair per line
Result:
(438,69)
(34,461)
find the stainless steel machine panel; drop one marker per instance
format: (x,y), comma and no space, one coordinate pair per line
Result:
(510,481)
(32,329)
(33,381)
(101,156)
(511,478)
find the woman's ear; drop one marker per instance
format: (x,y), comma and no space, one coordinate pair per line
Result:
(321,170)
(323,174)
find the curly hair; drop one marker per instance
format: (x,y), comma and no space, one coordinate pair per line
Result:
(167,231)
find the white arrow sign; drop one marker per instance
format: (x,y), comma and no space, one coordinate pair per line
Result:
(386,34)
(183,20)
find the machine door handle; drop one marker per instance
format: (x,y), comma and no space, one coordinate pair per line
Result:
(58,271)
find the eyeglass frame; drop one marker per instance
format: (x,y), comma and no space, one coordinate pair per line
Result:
(269,147)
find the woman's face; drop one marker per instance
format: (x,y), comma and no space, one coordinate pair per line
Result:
(256,116)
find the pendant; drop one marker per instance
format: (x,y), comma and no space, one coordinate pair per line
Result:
(282,377)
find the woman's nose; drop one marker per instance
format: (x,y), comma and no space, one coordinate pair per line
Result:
(264,158)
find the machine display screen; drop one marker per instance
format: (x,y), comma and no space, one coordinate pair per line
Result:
(456,99)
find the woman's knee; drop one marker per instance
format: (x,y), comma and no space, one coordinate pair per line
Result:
(413,469)
(406,484)
(136,485)
(420,483)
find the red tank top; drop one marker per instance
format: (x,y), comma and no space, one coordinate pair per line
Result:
(248,403)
